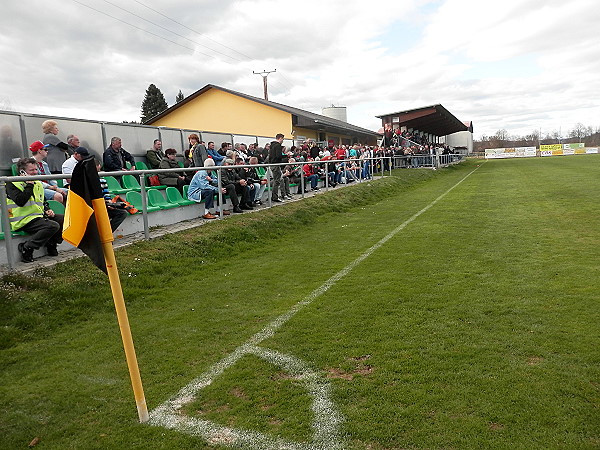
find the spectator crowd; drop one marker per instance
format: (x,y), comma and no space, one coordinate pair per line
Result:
(243,179)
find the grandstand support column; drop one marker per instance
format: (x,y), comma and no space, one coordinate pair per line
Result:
(6,226)
(144,208)
(391,164)
(326,176)
(302,182)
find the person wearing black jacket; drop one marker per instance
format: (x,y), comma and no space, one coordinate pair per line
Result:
(276,156)
(234,185)
(115,157)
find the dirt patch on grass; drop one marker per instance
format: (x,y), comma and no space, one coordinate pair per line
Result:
(275,422)
(238,392)
(360,369)
(494,426)
(534,360)
(283,376)
(339,373)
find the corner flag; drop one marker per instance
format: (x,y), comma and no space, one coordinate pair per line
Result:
(87,227)
(86,219)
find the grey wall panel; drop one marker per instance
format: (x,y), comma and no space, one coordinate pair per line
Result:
(217,138)
(135,139)
(264,140)
(18,130)
(89,133)
(242,139)
(171,138)
(11,145)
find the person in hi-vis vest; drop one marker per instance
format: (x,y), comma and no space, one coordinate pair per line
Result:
(28,211)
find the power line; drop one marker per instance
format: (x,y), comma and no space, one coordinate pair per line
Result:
(170,31)
(194,50)
(191,29)
(289,84)
(284,85)
(141,29)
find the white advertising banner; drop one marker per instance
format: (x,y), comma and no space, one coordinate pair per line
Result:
(545,150)
(525,152)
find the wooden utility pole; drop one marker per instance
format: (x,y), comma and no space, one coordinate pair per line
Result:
(264,74)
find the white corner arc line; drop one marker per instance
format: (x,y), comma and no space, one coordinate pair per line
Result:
(327,420)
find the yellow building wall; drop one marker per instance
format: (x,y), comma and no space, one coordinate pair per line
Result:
(308,134)
(222,112)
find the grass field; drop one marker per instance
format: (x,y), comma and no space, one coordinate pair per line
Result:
(473,323)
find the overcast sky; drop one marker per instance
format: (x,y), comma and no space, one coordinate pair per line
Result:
(519,65)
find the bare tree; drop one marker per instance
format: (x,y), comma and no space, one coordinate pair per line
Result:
(578,131)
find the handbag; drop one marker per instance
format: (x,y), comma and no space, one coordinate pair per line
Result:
(153,180)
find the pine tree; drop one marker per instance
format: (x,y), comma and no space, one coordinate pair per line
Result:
(179,96)
(154,103)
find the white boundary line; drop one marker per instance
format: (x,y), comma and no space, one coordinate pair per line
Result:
(326,420)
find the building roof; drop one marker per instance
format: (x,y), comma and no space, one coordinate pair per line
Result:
(434,119)
(300,117)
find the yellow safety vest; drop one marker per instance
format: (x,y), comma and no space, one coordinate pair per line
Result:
(34,208)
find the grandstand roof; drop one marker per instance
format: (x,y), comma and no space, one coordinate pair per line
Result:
(300,117)
(434,119)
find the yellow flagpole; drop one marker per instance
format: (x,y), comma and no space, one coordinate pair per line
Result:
(106,238)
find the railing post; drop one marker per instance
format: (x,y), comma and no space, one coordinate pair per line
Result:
(269,174)
(144,207)
(6,226)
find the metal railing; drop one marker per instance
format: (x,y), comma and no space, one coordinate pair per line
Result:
(363,170)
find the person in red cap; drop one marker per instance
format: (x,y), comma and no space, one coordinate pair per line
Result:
(51,190)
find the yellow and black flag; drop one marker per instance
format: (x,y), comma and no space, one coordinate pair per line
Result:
(86,223)
(87,226)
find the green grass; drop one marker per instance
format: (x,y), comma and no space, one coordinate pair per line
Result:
(475,326)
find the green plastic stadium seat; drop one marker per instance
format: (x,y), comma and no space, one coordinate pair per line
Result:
(130,182)
(139,165)
(114,186)
(135,198)
(174,196)
(57,207)
(13,170)
(155,198)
